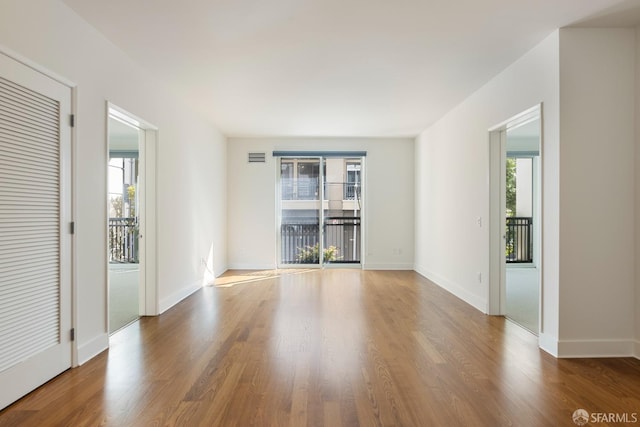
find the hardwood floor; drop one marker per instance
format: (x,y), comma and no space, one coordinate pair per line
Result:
(334,348)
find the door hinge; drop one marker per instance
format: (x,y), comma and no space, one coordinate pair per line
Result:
(72,227)
(73,334)
(72,120)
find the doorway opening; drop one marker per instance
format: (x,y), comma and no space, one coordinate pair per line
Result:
(522,274)
(515,289)
(131,219)
(124,224)
(320,206)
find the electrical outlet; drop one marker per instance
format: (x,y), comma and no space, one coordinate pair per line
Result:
(479,221)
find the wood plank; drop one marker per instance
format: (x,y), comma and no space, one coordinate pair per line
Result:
(328,348)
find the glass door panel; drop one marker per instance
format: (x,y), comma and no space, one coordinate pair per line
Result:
(300,194)
(341,211)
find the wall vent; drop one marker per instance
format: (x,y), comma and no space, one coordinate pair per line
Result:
(257,157)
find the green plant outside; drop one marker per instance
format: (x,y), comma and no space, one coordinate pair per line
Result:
(311,254)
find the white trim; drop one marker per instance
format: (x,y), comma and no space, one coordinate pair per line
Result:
(126,117)
(177,296)
(92,348)
(495,291)
(150,238)
(519,119)
(36,67)
(595,348)
(242,266)
(475,301)
(636,352)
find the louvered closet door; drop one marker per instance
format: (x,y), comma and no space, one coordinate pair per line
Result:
(35,302)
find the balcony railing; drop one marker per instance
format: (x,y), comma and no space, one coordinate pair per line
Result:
(307,189)
(518,241)
(352,190)
(342,233)
(348,190)
(300,241)
(123,240)
(300,189)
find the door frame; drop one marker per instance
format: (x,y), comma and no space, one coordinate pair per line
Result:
(496,298)
(148,302)
(321,158)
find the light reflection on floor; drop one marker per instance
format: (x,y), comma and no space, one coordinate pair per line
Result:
(235,277)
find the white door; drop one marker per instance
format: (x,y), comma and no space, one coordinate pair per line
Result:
(35,241)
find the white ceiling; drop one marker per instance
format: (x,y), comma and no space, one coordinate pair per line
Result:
(330,67)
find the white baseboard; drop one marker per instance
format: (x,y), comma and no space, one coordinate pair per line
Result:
(400,266)
(169,301)
(457,290)
(588,348)
(596,348)
(242,266)
(92,348)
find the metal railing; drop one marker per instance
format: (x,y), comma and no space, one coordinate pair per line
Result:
(518,240)
(300,189)
(123,240)
(343,234)
(299,241)
(348,190)
(308,189)
(352,190)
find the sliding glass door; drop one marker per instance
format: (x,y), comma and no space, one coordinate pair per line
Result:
(320,210)
(341,210)
(300,195)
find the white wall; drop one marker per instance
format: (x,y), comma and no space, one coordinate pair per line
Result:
(452,181)
(389,208)
(597,97)
(191,157)
(585,80)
